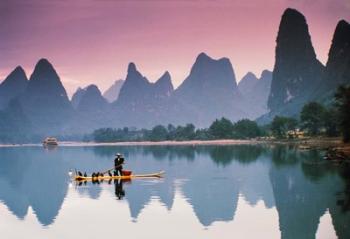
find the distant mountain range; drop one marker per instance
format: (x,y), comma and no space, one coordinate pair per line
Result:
(40,106)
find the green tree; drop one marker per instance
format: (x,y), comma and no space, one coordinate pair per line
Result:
(312,117)
(171,131)
(158,133)
(291,124)
(281,125)
(185,133)
(171,128)
(265,129)
(189,131)
(246,128)
(221,129)
(278,127)
(105,135)
(202,134)
(330,122)
(342,103)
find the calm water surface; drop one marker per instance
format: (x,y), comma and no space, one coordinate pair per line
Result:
(208,192)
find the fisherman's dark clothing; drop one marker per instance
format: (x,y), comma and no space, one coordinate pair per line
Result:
(118,167)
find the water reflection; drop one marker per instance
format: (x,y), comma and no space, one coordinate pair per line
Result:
(213,178)
(118,189)
(35,178)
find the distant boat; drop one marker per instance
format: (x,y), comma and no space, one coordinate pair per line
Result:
(50,141)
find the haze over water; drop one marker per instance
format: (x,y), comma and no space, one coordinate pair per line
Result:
(207,192)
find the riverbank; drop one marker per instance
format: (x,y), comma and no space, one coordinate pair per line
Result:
(146,143)
(320,143)
(310,143)
(335,149)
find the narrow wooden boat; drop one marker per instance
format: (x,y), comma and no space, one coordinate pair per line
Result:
(131,176)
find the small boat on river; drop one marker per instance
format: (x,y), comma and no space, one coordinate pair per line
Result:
(50,141)
(125,176)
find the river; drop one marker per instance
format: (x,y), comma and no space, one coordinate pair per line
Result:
(241,191)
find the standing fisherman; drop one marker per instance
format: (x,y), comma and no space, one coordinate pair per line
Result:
(118,165)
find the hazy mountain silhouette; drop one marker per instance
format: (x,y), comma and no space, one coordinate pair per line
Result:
(261,91)
(138,92)
(298,76)
(15,127)
(210,91)
(163,87)
(256,91)
(135,91)
(13,86)
(92,110)
(112,93)
(91,100)
(140,102)
(45,100)
(77,97)
(297,72)
(338,64)
(247,83)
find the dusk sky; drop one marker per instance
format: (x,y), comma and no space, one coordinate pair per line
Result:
(91,41)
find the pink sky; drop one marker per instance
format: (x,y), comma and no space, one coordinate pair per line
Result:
(91,41)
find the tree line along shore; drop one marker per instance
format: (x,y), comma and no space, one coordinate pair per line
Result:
(316,121)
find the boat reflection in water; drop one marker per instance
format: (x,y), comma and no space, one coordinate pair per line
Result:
(118,188)
(290,190)
(118,185)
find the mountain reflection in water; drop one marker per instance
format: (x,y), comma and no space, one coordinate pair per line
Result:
(210,178)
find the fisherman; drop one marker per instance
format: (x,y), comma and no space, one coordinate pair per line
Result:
(118,165)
